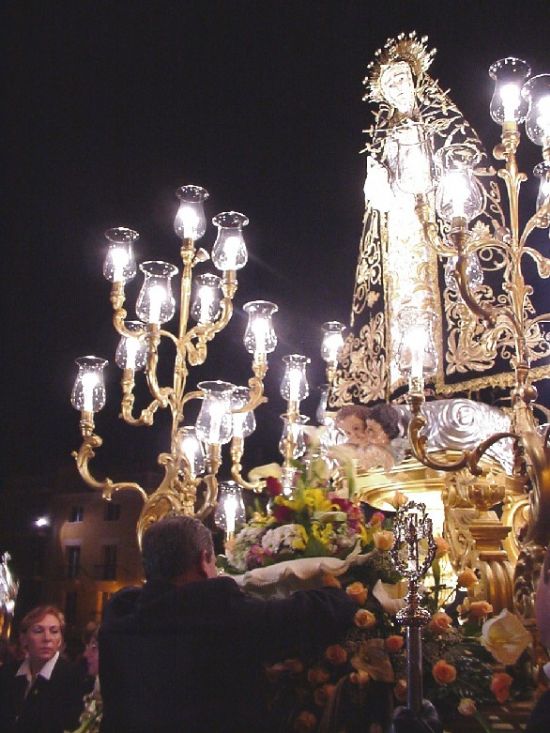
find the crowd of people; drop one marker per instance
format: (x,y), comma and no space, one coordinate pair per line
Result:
(183,653)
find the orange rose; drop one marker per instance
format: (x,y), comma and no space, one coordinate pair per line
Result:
(323,694)
(443,672)
(383,540)
(358,592)
(394,643)
(440,622)
(500,686)
(294,666)
(317,676)
(400,690)
(466,578)
(359,678)
(305,722)
(441,547)
(330,581)
(477,609)
(364,619)
(336,654)
(398,499)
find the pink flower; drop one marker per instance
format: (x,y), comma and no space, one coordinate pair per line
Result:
(282,514)
(377,518)
(343,504)
(500,686)
(256,555)
(273,486)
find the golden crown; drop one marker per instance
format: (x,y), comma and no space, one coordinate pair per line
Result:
(406,47)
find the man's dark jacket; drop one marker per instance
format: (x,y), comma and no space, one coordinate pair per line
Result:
(190,658)
(51,706)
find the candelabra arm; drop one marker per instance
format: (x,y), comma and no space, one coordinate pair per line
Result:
(255,386)
(237,450)
(90,443)
(127,404)
(161,394)
(542,262)
(211,482)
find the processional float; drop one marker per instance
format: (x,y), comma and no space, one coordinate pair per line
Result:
(443,322)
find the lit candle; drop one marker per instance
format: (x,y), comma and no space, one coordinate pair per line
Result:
(156,298)
(89,381)
(260,336)
(230,509)
(206,298)
(132,348)
(509,94)
(294,378)
(119,259)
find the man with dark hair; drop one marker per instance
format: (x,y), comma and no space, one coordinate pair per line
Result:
(186,651)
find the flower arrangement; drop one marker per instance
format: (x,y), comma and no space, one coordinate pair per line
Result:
(314,521)
(472,657)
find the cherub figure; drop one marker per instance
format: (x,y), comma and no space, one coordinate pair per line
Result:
(373,435)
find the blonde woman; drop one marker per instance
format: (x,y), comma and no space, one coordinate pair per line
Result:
(42,694)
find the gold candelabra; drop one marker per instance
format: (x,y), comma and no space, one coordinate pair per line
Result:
(189,484)
(509,319)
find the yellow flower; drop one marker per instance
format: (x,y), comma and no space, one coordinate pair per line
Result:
(505,637)
(467,706)
(316,500)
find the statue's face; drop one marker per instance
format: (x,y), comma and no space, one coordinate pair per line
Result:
(397,84)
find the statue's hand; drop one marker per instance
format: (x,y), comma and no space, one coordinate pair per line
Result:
(377,187)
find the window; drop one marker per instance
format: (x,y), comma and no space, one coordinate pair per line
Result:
(109,562)
(73,560)
(70,606)
(111,512)
(76,514)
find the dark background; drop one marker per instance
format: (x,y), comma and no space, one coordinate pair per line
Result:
(111,106)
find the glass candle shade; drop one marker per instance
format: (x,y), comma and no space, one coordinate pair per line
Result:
(131,352)
(320,413)
(294,386)
(260,337)
(293,432)
(190,221)
(229,514)
(155,303)
(417,356)
(542,171)
(244,423)
(206,303)
(415,171)
(191,447)
(120,265)
(508,104)
(537,123)
(333,341)
(229,250)
(458,193)
(215,422)
(88,393)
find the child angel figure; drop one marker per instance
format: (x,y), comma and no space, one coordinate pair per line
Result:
(373,435)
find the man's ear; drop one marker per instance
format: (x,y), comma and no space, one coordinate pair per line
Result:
(207,564)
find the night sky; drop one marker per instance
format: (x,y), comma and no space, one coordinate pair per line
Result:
(111,106)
